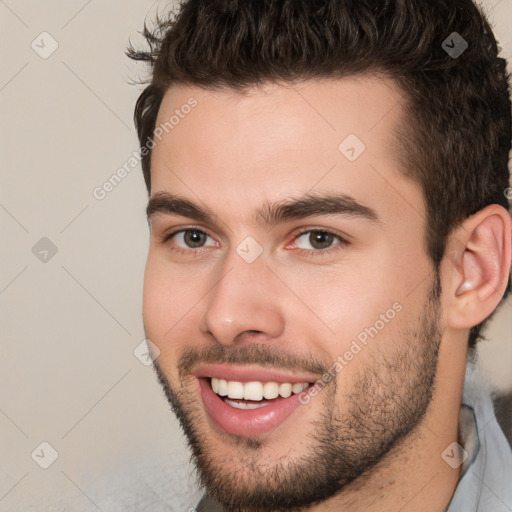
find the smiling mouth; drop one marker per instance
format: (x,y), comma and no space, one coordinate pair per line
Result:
(248,401)
(254,394)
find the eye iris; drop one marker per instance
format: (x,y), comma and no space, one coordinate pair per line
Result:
(194,238)
(320,239)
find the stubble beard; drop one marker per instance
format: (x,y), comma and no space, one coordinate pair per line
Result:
(351,436)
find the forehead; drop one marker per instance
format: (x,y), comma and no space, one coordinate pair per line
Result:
(266,121)
(280,140)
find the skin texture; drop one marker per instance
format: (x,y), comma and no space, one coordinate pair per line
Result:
(381,426)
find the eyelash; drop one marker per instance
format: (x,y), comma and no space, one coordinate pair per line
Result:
(313,253)
(303,252)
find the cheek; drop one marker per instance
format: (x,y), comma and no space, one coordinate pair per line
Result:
(168,304)
(343,300)
(155,298)
(355,309)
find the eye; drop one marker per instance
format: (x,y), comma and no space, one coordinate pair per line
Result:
(191,238)
(319,241)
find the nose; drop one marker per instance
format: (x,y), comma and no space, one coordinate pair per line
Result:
(244,299)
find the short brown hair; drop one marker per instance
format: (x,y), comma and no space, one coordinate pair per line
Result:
(454,140)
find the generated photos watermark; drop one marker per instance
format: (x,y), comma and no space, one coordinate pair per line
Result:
(100,192)
(356,346)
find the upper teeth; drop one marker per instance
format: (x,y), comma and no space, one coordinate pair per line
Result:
(255,390)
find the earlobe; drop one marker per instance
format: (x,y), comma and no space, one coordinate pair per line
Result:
(479,268)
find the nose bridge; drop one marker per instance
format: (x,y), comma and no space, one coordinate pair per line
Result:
(242,298)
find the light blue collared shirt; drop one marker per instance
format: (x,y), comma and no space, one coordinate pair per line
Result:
(485,483)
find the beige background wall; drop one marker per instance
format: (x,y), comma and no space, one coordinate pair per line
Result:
(70,325)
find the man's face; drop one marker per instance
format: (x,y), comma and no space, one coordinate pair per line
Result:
(272,288)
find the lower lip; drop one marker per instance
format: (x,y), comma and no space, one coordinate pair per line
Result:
(246,422)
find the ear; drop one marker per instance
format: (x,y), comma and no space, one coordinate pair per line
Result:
(478,266)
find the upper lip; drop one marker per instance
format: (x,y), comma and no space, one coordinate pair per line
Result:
(249,373)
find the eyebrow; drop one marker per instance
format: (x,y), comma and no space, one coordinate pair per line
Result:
(270,214)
